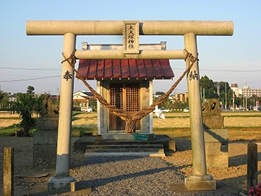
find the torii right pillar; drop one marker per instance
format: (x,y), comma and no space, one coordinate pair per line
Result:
(199,180)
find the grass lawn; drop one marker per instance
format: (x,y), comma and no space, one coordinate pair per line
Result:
(241,125)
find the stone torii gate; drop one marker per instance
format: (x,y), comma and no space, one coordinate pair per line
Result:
(199,180)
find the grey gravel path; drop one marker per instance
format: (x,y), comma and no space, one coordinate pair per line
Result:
(129,175)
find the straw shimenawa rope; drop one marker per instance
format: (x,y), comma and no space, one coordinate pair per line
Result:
(130,126)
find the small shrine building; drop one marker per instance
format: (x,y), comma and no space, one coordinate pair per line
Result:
(126,84)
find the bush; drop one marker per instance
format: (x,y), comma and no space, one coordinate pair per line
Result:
(76,108)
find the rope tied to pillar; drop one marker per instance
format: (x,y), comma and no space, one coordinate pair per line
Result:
(190,56)
(72,58)
(130,120)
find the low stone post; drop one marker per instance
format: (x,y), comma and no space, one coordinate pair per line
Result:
(45,138)
(252,163)
(45,143)
(216,137)
(8,178)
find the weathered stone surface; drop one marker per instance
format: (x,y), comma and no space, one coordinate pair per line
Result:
(45,137)
(151,137)
(198,183)
(47,124)
(44,155)
(61,184)
(8,172)
(216,147)
(80,192)
(172,145)
(213,122)
(49,108)
(216,135)
(222,189)
(118,137)
(203,185)
(210,107)
(219,160)
(45,142)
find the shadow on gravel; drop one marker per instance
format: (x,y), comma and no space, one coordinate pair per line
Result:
(240,160)
(103,181)
(101,160)
(235,183)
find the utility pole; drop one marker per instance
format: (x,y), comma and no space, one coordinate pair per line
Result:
(225,95)
(243,92)
(201,93)
(246,93)
(218,89)
(57,96)
(246,102)
(204,94)
(233,101)
(218,92)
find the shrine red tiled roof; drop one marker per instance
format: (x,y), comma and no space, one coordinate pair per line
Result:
(125,68)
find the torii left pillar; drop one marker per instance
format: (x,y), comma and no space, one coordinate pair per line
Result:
(61,181)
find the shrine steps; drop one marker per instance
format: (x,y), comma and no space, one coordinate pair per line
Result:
(97,146)
(131,149)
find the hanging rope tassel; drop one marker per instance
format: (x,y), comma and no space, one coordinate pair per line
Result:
(130,126)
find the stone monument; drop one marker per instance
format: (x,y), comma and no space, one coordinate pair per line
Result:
(216,137)
(45,138)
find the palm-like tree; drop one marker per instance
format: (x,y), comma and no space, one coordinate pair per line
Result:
(25,105)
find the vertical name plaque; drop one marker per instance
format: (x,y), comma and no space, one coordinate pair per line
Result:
(131,37)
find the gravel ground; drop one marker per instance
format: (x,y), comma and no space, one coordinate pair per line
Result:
(116,175)
(130,176)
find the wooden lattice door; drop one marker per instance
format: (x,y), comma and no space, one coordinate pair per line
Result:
(124,96)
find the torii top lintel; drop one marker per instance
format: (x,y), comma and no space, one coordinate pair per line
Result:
(116,27)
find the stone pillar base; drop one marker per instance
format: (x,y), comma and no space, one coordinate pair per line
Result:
(44,149)
(45,142)
(216,147)
(61,184)
(200,183)
(172,145)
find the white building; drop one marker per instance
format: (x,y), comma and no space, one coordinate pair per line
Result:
(81,99)
(246,91)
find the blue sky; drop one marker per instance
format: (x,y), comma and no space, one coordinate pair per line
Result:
(24,59)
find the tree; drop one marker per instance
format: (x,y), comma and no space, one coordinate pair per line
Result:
(230,97)
(25,105)
(3,100)
(93,104)
(253,99)
(226,93)
(209,87)
(238,101)
(1,95)
(159,93)
(30,90)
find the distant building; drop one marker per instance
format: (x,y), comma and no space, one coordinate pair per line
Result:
(81,99)
(182,97)
(246,91)
(12,98)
